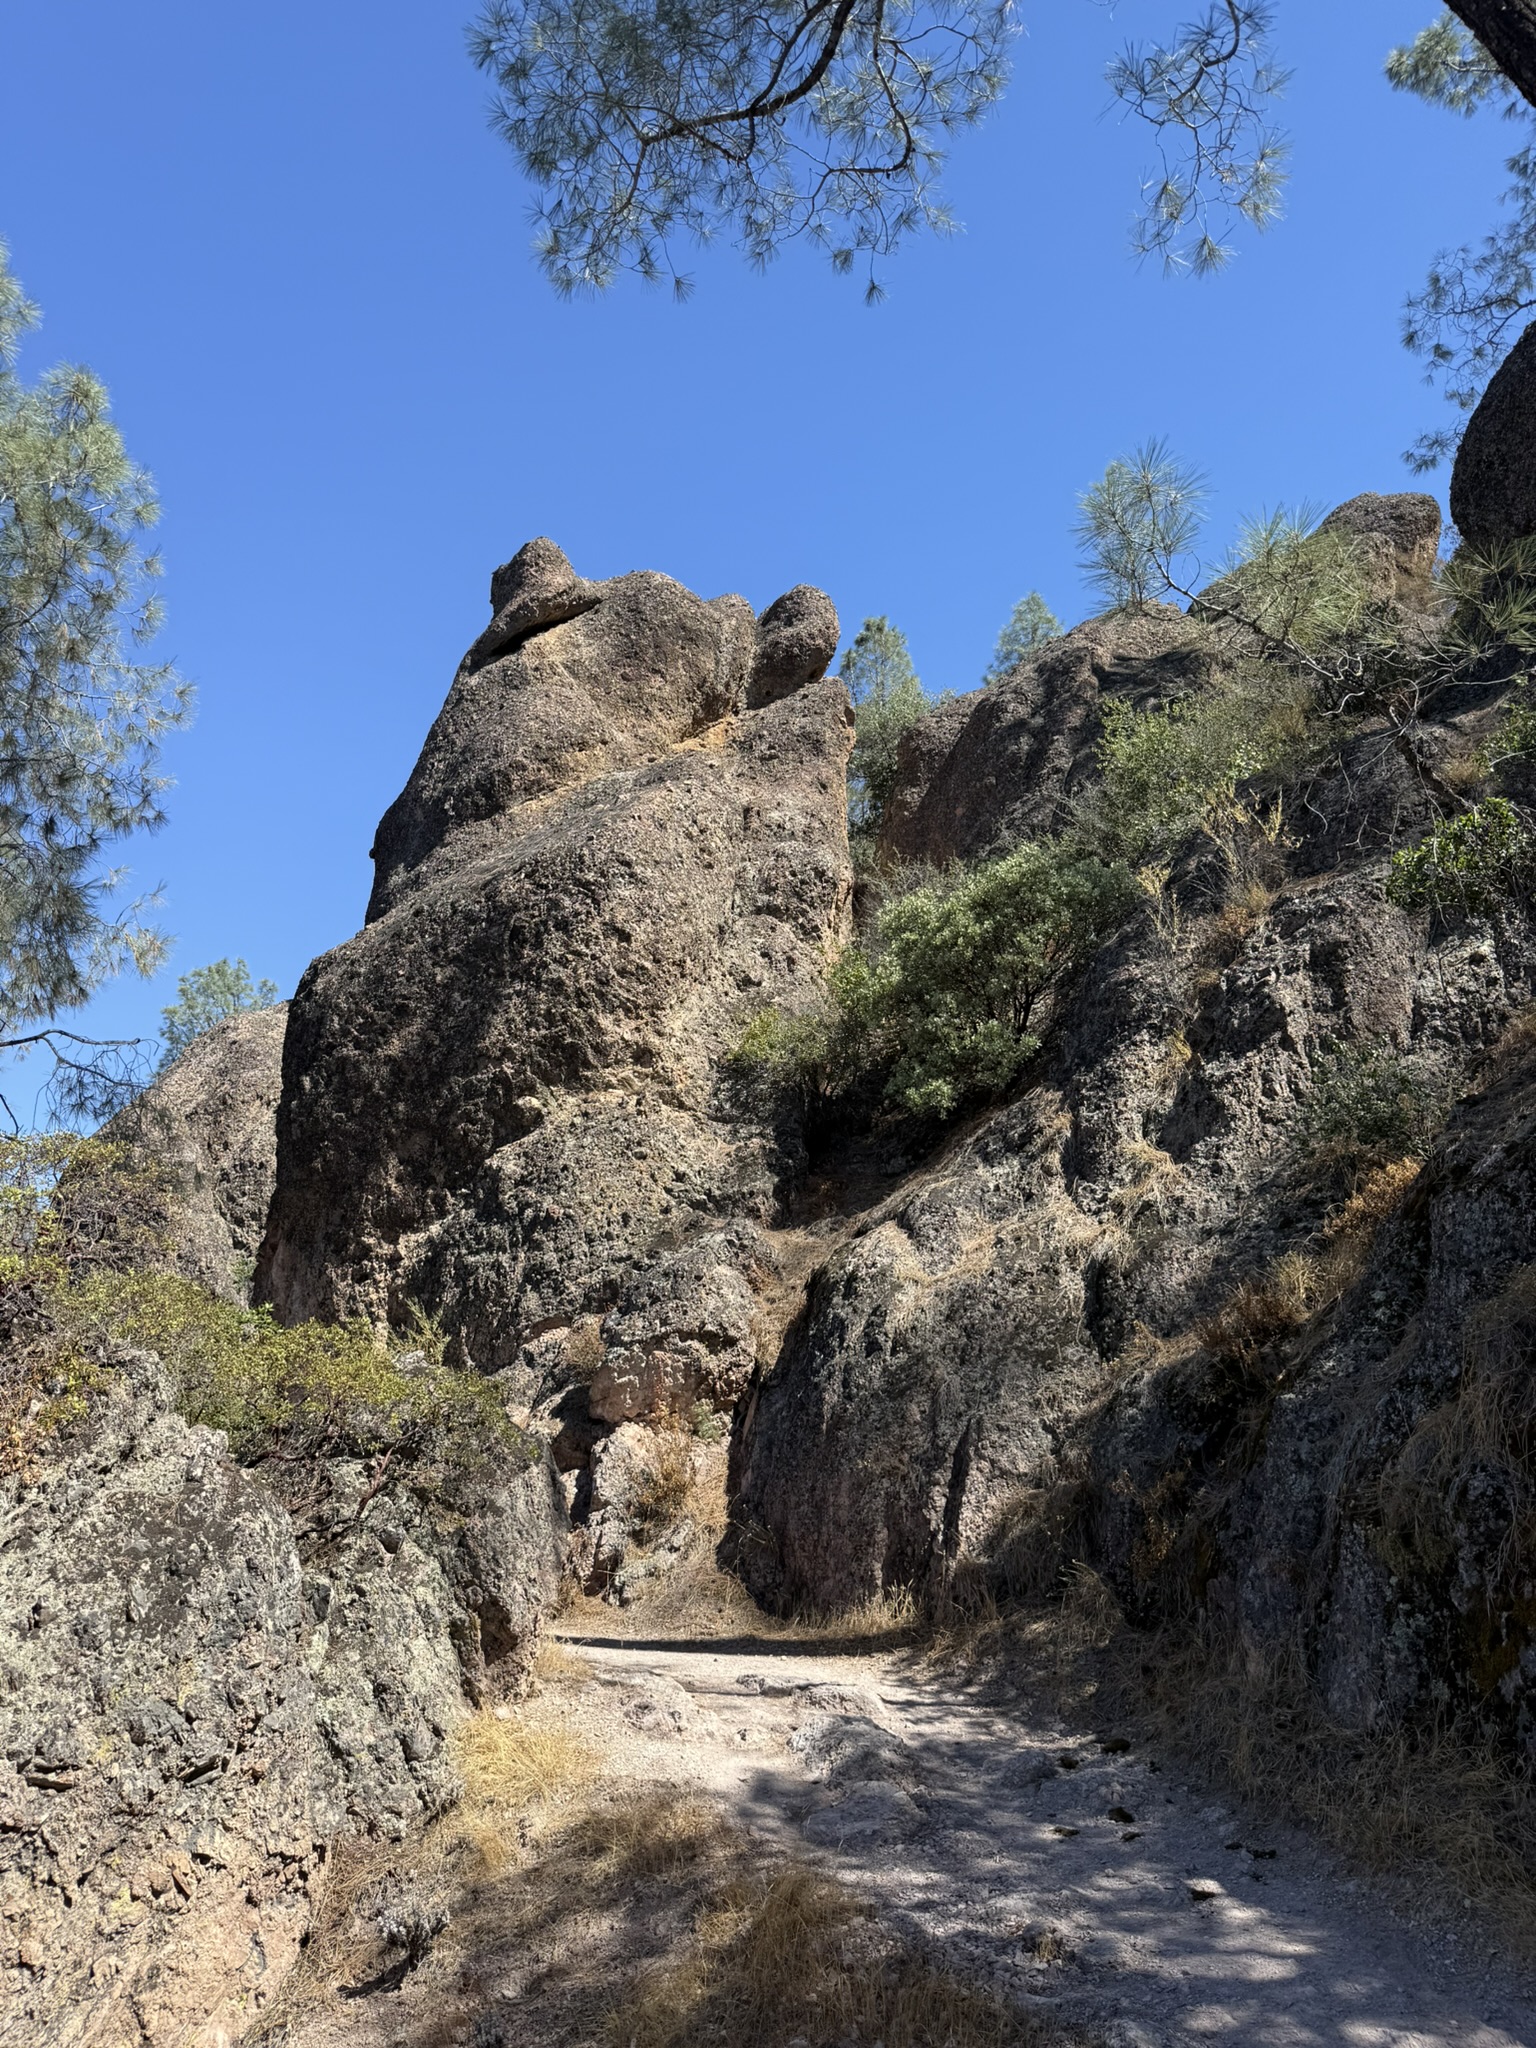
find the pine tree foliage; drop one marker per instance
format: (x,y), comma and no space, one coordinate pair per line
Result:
(1206,95)
(1030,624)
(649,121)
(208,995)
(1137,525)
(887,700)
(81,716)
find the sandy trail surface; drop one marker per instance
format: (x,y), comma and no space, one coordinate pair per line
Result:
(1075,1871)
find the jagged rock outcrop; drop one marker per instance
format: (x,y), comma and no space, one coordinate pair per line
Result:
(503,1100)
(208,1679)
(209,1123)
(158,1821)
(1493,480)
(1012,1337)
(1363,1497)
(1001,764)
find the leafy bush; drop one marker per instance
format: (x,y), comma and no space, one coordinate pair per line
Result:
(1369,1106)
(943,1001)
(962,967)
(1169,772)
(313,1391)
(1474,863)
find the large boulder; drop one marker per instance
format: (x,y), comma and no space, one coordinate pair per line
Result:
(507,1097)
(1493,481)
(159,1792)
(209,1125)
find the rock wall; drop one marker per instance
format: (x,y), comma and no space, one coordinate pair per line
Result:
(504,1100)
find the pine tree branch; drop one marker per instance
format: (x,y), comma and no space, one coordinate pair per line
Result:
(1507,31)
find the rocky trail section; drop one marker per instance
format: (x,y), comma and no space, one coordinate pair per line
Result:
(1083,1878)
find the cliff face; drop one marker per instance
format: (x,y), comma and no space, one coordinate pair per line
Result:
(503,1100)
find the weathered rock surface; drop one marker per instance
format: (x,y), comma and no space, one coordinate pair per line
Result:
(210,1123)
(204,1686)
(1002,764)
(161,1765)
(1397,534)
(419,1603)
(1493,480)
(1363,1497)
(503,1099)
(1006,1352)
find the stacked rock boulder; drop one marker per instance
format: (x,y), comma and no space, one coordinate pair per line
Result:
(507,1101)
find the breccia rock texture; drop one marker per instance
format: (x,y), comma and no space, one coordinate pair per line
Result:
(157,1805)
(507,1100)
(1493,480)
(206,1681)
(209,1123)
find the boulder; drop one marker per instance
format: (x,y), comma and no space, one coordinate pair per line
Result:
(209,1123)
(1398,538)
(1493,480)
(162,1773)
(508,1098)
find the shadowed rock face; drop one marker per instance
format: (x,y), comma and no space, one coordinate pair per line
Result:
(1493,482)
(999,765)
(626,832)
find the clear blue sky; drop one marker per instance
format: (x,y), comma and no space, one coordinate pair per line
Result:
(287,240)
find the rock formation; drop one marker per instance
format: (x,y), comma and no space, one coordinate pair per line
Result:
(209,1122)
(1493,482)
(161,1825)
(504,1100)
(1007,1352)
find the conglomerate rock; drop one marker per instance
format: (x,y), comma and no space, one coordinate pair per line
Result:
(505,1100)
(157,1810)
(209,1122)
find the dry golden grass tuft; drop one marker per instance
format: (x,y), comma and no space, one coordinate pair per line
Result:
(791,1954)
(509,1765)
(584,1350)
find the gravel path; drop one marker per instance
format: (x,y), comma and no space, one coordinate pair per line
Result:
(1076,1873)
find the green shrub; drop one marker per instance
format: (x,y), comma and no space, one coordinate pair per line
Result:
(954,990)
(1296,587)
(1514,737)
(943,1001)
(1169,772)
(298,1394)
(1474,863)
(1369,1106)
(81,1232)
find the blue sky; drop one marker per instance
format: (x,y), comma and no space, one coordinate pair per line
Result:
(288,241)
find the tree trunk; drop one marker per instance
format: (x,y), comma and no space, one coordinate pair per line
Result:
(1507,31)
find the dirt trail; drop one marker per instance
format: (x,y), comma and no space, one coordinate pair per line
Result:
(1086,1879)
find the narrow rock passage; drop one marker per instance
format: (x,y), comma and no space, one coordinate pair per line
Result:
(1082,1876)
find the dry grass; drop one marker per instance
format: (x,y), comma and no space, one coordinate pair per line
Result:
(509,1765)
(667,1488)
(790,1954)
